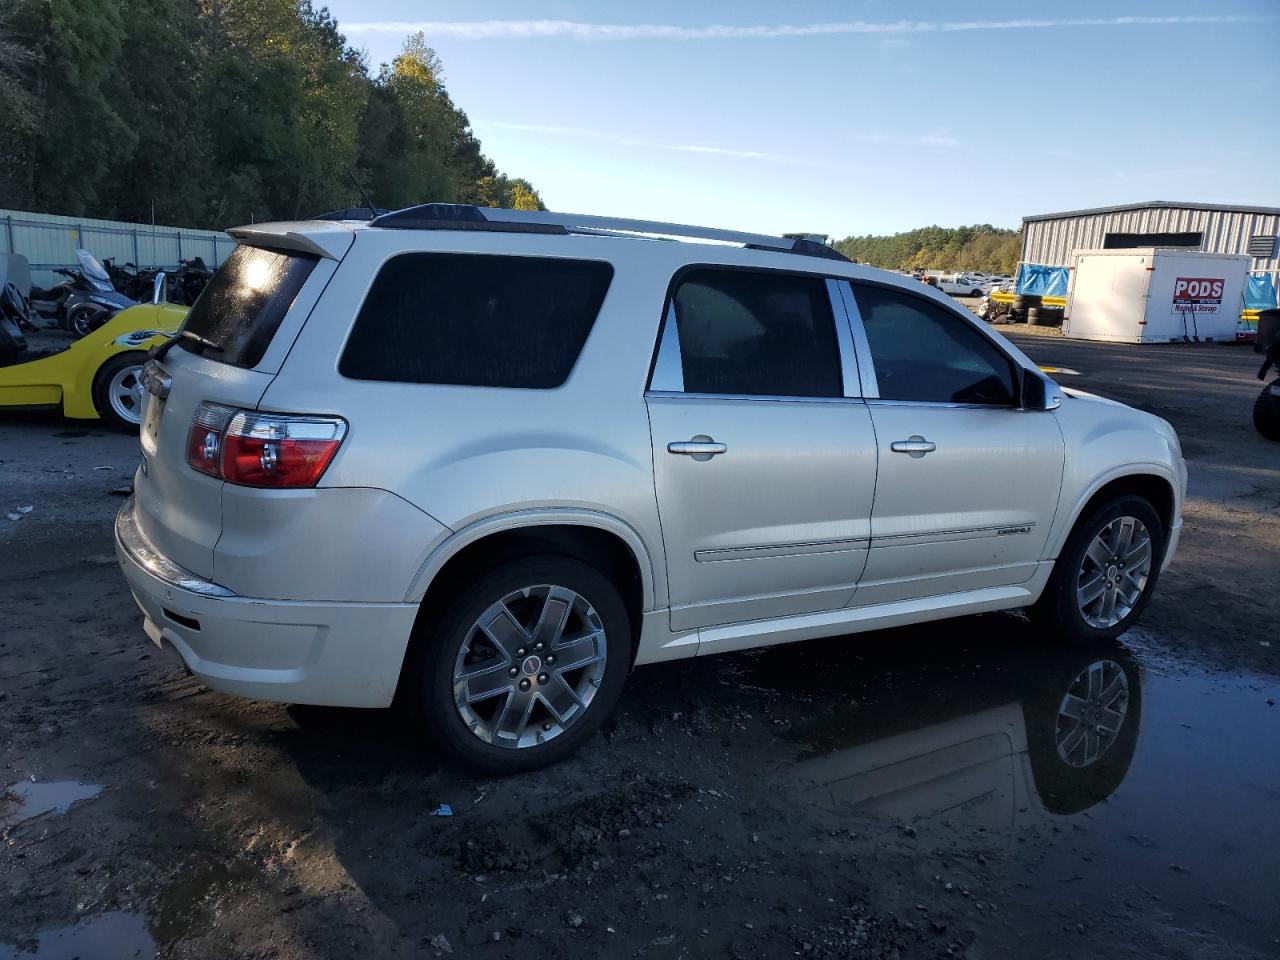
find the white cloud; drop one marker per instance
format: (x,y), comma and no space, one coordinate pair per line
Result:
(878,138)
(578,30)
(585,134)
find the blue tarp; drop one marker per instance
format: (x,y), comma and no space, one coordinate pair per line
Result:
(1259,291)
(1042,280)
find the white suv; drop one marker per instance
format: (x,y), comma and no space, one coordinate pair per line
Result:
(485,462)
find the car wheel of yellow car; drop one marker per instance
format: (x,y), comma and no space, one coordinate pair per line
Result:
(117,390)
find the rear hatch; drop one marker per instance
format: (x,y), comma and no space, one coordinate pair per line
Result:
(239,331)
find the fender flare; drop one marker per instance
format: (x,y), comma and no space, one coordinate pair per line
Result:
(1142,468)
(518,519)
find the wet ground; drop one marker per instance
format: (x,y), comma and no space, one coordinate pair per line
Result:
(924,792)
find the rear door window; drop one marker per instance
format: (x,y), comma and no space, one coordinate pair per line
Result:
(240,310)
(476,320)
(759,334)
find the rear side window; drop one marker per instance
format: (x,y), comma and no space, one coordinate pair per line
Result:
(757,334)
(476,320)
(922,352)
(240,310)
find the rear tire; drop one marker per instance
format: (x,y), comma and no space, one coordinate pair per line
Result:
(1068,608)
(499,722)
(117,391)
(1266,413)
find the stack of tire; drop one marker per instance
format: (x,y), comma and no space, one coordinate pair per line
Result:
(1026,307)
(1030,308)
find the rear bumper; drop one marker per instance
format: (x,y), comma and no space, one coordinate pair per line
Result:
(334,654)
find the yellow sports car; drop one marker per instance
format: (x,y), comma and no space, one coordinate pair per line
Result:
(96,376)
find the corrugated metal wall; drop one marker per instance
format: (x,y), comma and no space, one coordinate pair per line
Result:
(49,241)
(1052,242)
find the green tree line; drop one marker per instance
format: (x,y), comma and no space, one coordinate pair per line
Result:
(980,247)
(209,113)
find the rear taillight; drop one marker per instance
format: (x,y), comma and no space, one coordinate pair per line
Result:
(262,449)
(204,442)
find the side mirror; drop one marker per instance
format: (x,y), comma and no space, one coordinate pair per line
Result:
(158,288)
(1039,392)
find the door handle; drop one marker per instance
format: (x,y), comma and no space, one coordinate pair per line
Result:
(915,448)
(700,447)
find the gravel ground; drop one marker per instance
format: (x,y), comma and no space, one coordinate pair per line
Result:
(887,795)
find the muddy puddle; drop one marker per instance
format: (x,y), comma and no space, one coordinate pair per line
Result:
(27,799)
(1108,779)
(108,936)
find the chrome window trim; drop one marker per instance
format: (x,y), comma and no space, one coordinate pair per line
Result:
(861,346)
(668,367)
(945,404)
(849,367)
(680,395)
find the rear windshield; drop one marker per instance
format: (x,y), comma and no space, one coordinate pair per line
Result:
(240,310)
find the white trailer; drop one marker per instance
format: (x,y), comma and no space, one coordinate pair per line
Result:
(1154,295)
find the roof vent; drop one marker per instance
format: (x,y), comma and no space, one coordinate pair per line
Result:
(349,213)
(456,216)
(1262,246)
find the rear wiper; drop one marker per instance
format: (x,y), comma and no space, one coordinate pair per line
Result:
(160,351)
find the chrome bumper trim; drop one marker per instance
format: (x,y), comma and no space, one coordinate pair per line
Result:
(138,549)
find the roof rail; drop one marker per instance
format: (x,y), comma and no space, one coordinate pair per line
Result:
(458,216)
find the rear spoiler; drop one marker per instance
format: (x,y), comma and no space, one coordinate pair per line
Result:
(327,239)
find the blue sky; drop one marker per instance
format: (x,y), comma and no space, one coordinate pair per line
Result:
(857,117)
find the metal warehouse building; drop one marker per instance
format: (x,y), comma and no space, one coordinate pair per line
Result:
(1051,238)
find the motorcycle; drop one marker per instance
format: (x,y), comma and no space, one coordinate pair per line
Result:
(131,280)
(13,343)
(82,302)
(190,280)
(13,316)
(1266,409)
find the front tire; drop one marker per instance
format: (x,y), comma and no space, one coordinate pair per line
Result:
(117,391)
(84,318)
(1105,573)
(1266,412)
(524,665)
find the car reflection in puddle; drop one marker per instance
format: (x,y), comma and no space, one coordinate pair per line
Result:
(1106,783)
(1055,735)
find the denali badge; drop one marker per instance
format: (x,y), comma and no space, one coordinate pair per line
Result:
(1007,531)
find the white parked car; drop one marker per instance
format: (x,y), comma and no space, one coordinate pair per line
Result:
(487,461)
(963,286)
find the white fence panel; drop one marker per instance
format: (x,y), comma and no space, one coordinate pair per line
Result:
(50,241)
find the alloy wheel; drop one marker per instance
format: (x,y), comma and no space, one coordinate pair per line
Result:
(124,393)
(529,666)
(1114,572)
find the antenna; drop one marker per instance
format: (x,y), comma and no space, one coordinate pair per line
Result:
(373,212)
